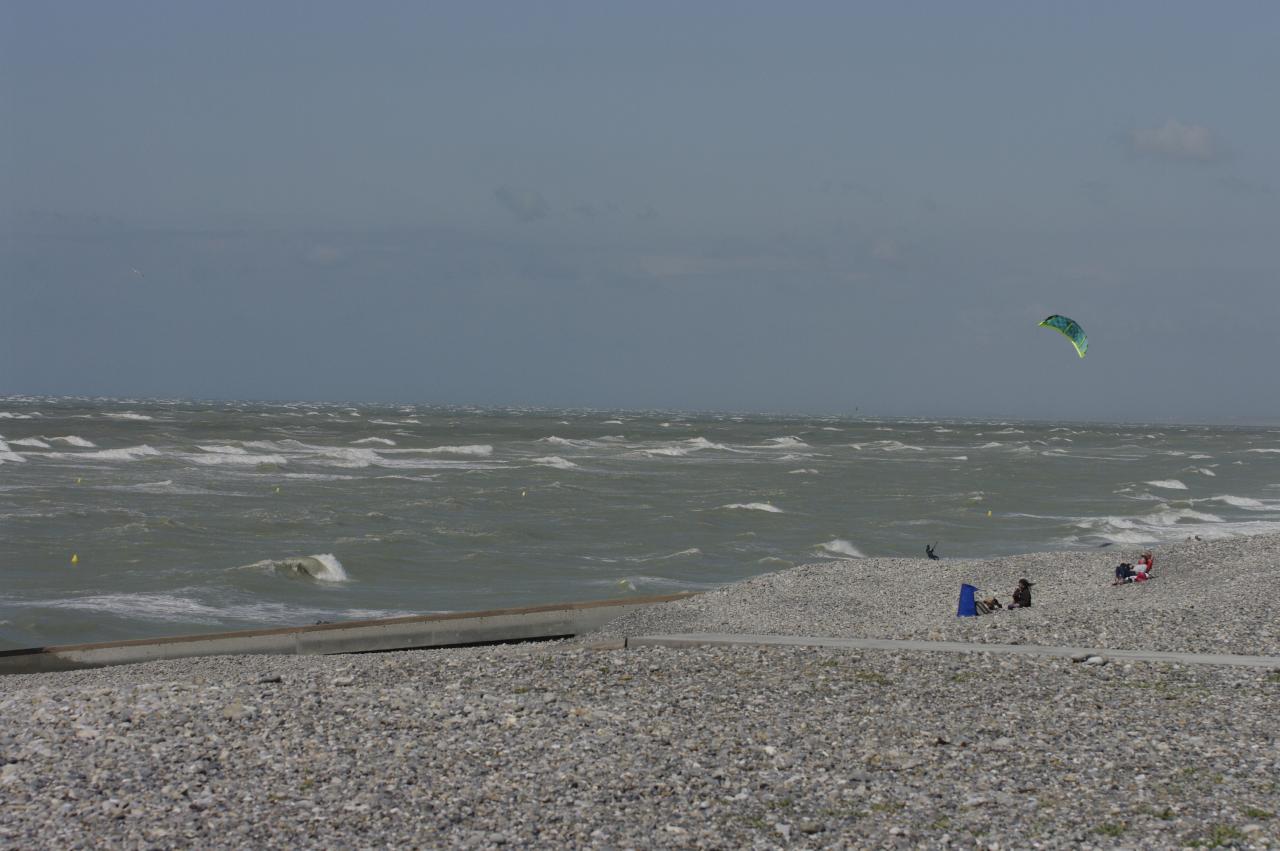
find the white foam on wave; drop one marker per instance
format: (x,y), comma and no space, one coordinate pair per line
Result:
(8,415)
(127,415)
(380,440)
(1168,484)
(1200,457)
(223,449)
(482,449)
(9,456)
(788,442)
(803,471)
(684,448)
(234,459)
(565,441)
(841,547)
(896,446)
(33,442)
(1241,502)
(129,453)
(73,440)
(958,457)
(755,506)
(991,444)
(322,567)
(1262,450)
(555,461)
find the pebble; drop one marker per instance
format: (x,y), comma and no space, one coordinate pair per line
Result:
(553,745)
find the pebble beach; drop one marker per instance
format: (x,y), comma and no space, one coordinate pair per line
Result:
(567,745)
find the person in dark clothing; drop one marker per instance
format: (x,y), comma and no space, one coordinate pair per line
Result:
(1124,573)
(1022,595)
(928,550)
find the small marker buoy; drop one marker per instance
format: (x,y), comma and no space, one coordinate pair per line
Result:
(277,489)
(988,512)
(75,558)
(522,493)
(77,481)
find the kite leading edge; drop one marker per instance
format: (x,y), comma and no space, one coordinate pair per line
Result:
(1070,329)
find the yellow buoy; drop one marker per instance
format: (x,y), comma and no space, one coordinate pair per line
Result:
(75,558)
(988,512)
(77,481)
(522,493)
(277,489)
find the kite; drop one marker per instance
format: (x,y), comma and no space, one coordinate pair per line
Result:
(1069,329)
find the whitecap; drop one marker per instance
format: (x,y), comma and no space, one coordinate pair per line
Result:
(1168,484)
(555,461)
(322,567)
(1242,502)
(382,440)
(755,506)
(127,415)
(223,449)
(130,453)
(34,442)
(233,459)
(6,455)
(1262,450)
(841,547)
(788,442)
(73,440)
(803,471)
(470,449)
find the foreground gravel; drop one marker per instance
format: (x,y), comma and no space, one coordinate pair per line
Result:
(567,747)
(561,746)
(1211,597)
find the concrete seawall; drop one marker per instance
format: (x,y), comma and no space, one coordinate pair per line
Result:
(560,620)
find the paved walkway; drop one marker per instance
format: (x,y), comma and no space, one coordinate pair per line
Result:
(699,639)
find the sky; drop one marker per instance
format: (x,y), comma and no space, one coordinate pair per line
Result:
(824,207)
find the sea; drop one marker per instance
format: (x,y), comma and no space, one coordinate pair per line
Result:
(133,518)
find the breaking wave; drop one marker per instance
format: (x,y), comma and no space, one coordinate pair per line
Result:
(755,506)
(323,567)
(555,461)
(841,547)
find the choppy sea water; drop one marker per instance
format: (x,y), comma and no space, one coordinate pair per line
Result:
(188,517)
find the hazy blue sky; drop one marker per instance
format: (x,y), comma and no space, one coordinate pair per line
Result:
(814,206)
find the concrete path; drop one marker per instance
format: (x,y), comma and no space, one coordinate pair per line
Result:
(699,639)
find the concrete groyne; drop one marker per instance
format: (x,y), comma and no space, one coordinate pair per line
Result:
(454,629)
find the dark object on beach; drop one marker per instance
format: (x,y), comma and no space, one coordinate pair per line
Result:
(1124,572)
(1022,595)
(270,678)
(989,605)
(1107,544)
(928,550)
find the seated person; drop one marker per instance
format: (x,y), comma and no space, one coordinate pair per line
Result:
(1022,595)
(1148,561)
(1124,573)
